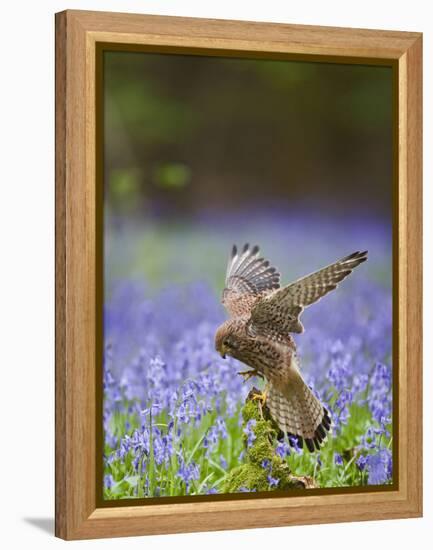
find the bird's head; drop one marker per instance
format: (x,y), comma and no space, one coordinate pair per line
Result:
(226,341)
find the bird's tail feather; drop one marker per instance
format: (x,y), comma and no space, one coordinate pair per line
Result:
(299,413)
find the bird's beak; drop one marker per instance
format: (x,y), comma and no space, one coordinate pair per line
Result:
(222,351)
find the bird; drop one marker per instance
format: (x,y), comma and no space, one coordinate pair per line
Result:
(262,318)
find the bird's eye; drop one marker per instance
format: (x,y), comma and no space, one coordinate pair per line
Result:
(232,344)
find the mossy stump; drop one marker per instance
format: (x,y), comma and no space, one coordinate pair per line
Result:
(263,466)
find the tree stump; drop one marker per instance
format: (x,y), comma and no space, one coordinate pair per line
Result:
(263,470)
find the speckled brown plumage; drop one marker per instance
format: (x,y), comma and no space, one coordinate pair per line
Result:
(258,333)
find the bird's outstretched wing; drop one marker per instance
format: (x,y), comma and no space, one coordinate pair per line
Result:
(277,314)
(248,277)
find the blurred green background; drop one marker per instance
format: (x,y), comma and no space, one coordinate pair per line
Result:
(186,133)
(202,152)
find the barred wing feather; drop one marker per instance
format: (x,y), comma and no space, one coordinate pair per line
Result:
(248,277)
(277,314)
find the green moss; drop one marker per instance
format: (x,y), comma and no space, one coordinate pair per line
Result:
(247,476)
(252,475)
(251,411)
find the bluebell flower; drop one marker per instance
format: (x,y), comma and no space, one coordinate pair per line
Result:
(273,482)
(294,444)
(165,364)
(368,440)
(188,472)
(282,449)
(360,382)
(213,436)
(137,463)
(223,463)
(379,467)
(338,459)
(182,414)
(163,449)
(154,409)
(249,432)
(361,462)
(108,481)
(221,427)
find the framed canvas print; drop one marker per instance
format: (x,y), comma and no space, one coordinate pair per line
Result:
(238,274)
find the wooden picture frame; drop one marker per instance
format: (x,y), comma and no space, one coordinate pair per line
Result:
(79,34)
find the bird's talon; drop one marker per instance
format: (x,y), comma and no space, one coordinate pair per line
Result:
(247,374)
(260,397)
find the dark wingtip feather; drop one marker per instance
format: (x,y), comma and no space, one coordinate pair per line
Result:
(326,422)
(320,431)
(356,256)
(326,425)
(255,250)
(234,251)
(313,443)
(310,445)
(362,256)
(246,247)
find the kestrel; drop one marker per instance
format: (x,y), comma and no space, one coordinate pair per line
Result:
(262,317)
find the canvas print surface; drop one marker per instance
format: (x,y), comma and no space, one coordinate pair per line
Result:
(248,301)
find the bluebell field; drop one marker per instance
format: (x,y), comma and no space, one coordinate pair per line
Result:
(171,409)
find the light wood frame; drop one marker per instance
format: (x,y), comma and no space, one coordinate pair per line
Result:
(77,36)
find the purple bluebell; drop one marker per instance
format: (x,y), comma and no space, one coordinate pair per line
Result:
(108,481)
(188,473)
(338,459)
(361,462)
(294,443)
(379,467)
(282,449)
(273,482)
(167,393)
(249,432)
